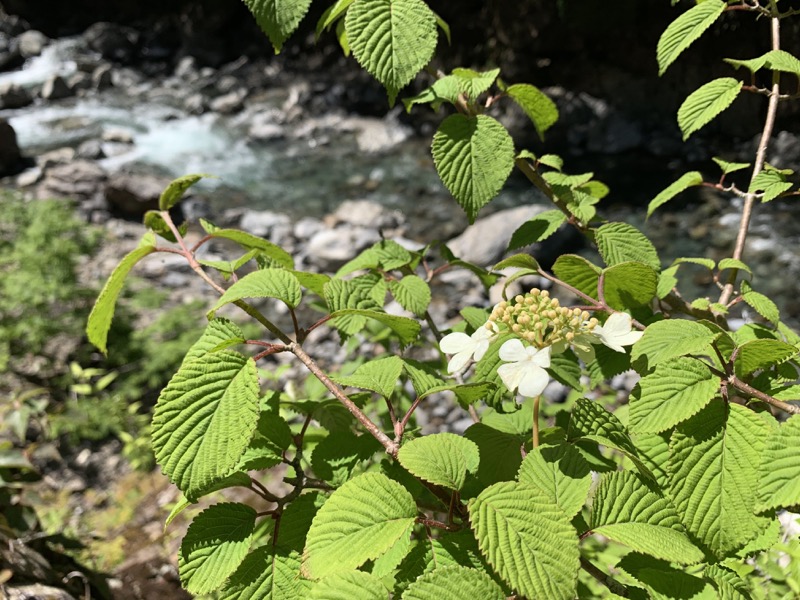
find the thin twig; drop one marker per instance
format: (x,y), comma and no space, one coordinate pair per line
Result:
(751,391)
(535,431)
(612,584)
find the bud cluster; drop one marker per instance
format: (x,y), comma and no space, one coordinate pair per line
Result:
(540,320)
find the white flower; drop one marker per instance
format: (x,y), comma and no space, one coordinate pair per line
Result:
(526,369)
(616,332)
(463,346)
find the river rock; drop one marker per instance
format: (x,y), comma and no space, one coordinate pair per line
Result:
(14,96)
(132,195)
(229,103)
(79,81)
(10,156)
(36,590)
(329,249)
(55,88)
(112,41)
(486,241)
(79,179)
(368,214)
(31,43)
(102,77)
(273,226)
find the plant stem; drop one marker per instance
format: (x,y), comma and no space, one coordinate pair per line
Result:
(536,421)
(751,391)
(750,198)
(612,584)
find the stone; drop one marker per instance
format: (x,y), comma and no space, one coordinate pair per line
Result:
(229,103)
(132,195)
(102,77)
(112,41)
(59,156)
(331,248)
(55,88)
(486,241)
(195,104)
(306,227)
(11,161)
(91,150)
(79,179)
(273,226)
(79,81)
(14,96)
(36,590)
(365,213)
(29,178)
(118,135)
(31,43)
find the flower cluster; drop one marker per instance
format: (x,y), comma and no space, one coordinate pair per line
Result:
(541,328)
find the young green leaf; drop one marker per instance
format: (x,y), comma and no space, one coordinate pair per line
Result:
(627,511)
(232,480)
(334,12)
(729,167)
(264,283)
(537,229)
(771,182)
(412,293)
(103,310)
(714,473)
(359,522)
(776,60)
(204,419)
(454,583)
(779,485)
(278,18)
(442,90)
(677,390)
(620,242)
(706,102)
(266,573)
(473,156)
(252,242)
(671,338)
(215,545)
(173,193)
(296,520)
(423,377)
(473,83)
(379,376)
(386,254)
(560,471)
(441,458)
(684,30)
(407,330)
(527,539)
(520,261)
(732,263)
(629,285)
(761,354)
(392,39)
(684,182)
(578,272)
(540,109)
(760,303)
(351,585)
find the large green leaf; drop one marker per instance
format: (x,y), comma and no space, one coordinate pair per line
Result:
(578,272)
(771,182)
(266,574)
(629,285)
(412,293)
(706,102)
(441,458)
(684,30)
(215,545)
(351,585)
(233,480)
(340,453)
(760,303)
(776,60)
(454,583)
(359,522)
(527,539)
(626,510)
(264,283)
(714,471)
(204,419)
(779,486)
(278,18)
(540,109)
(761,354)
(392,39)
(473,156)
(379,376)
(217,334)
(669,339)
(538,229)
(620,242)
(674,392)
(684,182)
(664,581)
(407,330)
(500,452)
(560,471)
(103,310)
(654,451)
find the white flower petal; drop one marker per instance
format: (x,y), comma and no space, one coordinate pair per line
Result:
(630,338)
(540,358)
(616,332)
(617,324)
(511,374)
(456,342)
(513,351)
(533,382)
(458,361)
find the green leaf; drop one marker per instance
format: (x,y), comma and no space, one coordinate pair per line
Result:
(654,451)
(551,160)
(565,369)
(779,486)
(706,102)
(663,581)
(454,583)
(215,545)
(629,285)
(670,338)
(775,60)
(266,574)
(204,419)
(445,89)
(560,471)
(423,377)
(473,156)
(608,363)
(278,18)
(620,242)
(407,330)
(578,272)
(351,585)
(103,310)
(540,109)
(714,472)
(387,255)
(729,167)
(761,354)
(340,454)
(173,193)
(269,443)
(771,182)
(217,333)
(331,15)
(520,261)
(233,480)
(442,458)
(154,220)
(392,39)
(412,293)
(359,522)
(684,182)
(760,303)
(677,390)
(590,421)
(473,83)
(500,452)
(684,30)
(264,283)
(732,263)
(252,242)
(537,229)
(627,511)
(379,376)
(729,585)
(527,539)
(296,520)
(486,370)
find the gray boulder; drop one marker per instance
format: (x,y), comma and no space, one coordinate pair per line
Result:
(329,249)
(132,195)
(14,96)
(31,43)
(55,88)
(79,179)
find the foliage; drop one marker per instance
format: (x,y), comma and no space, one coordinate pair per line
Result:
(691,475)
